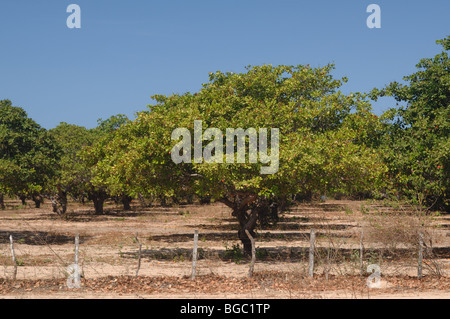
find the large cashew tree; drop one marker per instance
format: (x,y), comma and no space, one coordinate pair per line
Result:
(326,142)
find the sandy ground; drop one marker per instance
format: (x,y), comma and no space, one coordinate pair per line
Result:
(266,295)
(44,247)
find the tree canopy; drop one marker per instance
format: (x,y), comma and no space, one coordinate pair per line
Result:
(417,144)
(74,169)
(325,142)
(28,154)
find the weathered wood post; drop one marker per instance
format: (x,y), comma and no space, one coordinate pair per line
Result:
(194,255)
(77,277)
(311,253)
(361,253)
(420,261)
(139,255)
(73,271)
(77,247)
(13,256)
(252,264)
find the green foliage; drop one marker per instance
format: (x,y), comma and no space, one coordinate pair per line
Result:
(234,252)
(98,152)
(73,174)
(82,149)
(416,146)
(110,125)
(28,154)
(327,138)
(330,143)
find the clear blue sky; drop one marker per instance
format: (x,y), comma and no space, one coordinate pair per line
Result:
(127,51)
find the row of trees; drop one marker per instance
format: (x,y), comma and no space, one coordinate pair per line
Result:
(36,163)
(330,143)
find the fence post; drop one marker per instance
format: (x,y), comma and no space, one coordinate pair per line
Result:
(194,255)
(139,255)
(74,278)
(77,247)
(420,262)
(311,253)
(77,272)
(252,264)
(13,256)
(361,253)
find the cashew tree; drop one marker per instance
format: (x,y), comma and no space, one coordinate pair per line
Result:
(416,147)
(75,168)
(28,155)
(250,140)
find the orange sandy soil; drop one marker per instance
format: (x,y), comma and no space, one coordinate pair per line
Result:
(261,285)
(108,254)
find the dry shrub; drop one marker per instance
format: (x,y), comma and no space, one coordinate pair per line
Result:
(397,237)
(395,230)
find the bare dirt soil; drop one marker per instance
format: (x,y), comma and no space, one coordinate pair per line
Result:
(44,248)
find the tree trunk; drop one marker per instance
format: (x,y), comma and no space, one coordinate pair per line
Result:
(143,201)
(268,211)
(98,197)
(205,200)
(63,202)
(190,199)
(245,209)
(54,205)
(38,200)
(175,200)
(23,198)
(117,199)
(98,205)
(163,201)
(2,202)
(37,203)
(126,201)
(247,221)
(59,203)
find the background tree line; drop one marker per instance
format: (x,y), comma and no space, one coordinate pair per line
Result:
(331,144)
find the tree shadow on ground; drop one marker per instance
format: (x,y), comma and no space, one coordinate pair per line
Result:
(328,207)
(37,238)
(298,218)
(224,236)
(88,215)
(274,254)
(279,226)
